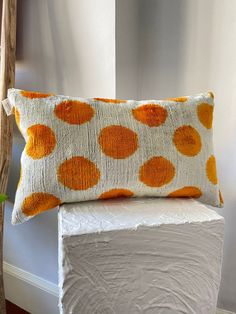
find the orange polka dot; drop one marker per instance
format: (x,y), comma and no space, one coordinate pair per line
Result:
(17,117)
(205,114)
(109,100)
(211,94)
(115,193)
(187,140)
(211,169)
(37,203)
(187,191)
(221,198)
(78,173)
(156,172)
(41,141)
(32,95)
(178,99)
(150,114)
(118,142)
(74,112)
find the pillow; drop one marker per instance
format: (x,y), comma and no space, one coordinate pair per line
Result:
(87,149)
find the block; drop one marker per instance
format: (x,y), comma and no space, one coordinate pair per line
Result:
(139,256)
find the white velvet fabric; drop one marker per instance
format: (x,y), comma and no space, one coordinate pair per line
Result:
(86,149)
(139,256)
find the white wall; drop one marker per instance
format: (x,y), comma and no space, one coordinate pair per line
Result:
(67,47)
(186,47)
(127,53)
(163,48)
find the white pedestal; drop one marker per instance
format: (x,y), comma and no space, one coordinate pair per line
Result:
(136,256)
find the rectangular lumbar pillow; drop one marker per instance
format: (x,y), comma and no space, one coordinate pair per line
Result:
(85,149)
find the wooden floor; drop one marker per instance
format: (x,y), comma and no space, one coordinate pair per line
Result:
(13,309)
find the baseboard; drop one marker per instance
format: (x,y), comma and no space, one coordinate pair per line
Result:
(30,292)
(34,294)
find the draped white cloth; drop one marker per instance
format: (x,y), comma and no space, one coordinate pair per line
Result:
(139,256)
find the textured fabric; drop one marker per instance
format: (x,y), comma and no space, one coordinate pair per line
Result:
(84,149)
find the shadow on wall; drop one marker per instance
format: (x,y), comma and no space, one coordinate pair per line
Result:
(161,47)
(169,34)
(53,48)
(61,29)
